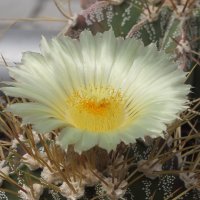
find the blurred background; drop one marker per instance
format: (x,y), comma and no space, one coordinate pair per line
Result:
(26,35)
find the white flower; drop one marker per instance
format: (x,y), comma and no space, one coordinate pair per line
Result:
(100,90)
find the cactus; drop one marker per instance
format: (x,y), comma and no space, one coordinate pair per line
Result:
(151,168)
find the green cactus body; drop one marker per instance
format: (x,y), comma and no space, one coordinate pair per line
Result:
(123,18)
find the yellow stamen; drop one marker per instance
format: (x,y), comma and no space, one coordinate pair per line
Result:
(96,108)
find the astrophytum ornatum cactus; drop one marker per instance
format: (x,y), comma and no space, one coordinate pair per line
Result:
(109,102)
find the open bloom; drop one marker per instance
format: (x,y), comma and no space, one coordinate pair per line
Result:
(99,90)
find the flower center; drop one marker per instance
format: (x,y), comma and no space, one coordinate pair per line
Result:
(96,109)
